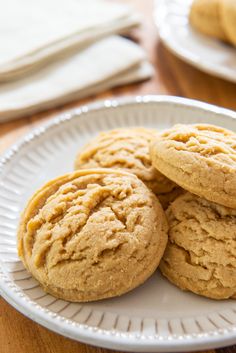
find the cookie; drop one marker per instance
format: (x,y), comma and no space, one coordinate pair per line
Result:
(228,18)
(206,18)
(167,198)
(200,158)
(126,149)
(201,252)
(92,234)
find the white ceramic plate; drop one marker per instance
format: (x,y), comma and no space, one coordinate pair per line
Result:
(155,317)
(209,55)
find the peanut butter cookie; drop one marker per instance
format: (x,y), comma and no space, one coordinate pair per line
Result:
(126,149)
(200,158)
(206,18)
(201,252)
(228,18)
(92,234)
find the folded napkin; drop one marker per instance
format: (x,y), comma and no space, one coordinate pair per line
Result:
(33,32)
(107,63)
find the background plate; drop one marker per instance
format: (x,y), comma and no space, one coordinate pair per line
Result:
(208,54)
(155,317)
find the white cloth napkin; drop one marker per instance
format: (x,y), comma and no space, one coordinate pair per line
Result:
(34,32)
(107,63)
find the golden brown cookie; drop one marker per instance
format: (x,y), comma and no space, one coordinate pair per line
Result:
(206,18)
(200,158)
(228,19)
(201,252)
(126,149)
(92,234)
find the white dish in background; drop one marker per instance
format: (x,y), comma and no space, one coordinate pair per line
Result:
(205,53)
(156,317)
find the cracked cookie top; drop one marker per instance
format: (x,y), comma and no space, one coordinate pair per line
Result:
(126,149)
(92,234)
(201,252)
(200,158)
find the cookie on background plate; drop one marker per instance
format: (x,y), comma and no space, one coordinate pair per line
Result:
(228,18)
(201,251)
(205,17)
(127,149)
(92,234)
(200,158)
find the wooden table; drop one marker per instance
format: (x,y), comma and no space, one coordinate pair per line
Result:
(173,77)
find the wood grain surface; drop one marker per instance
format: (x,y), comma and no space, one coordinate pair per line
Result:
(173,77)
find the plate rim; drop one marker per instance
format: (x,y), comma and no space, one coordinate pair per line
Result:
(193,59)
(83,332)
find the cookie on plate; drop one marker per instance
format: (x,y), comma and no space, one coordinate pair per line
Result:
(167,198)
(126,149)
(200,158)
(92,234)
(205,17)
(201,252)
(228,18)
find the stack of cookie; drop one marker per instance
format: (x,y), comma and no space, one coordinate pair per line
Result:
(215,18)
(102,230)
(201,252)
